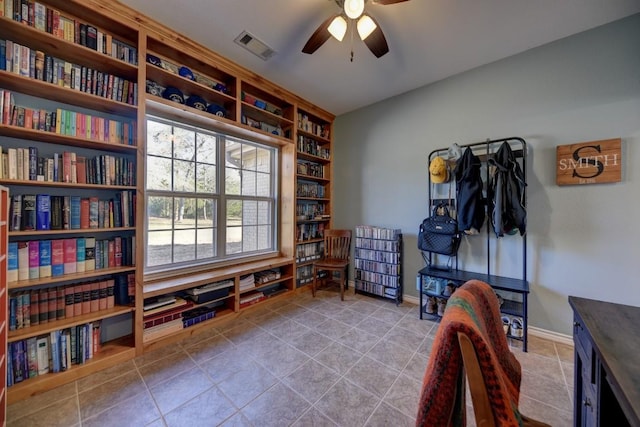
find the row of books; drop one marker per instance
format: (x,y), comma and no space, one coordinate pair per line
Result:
(18,59)
(176,317)
(378,244)
(378,278)
(45,212)
(309,251)
(68,167)
(53,352)
(379,255)
(372,232)
(43,18)
(38,306)
(305,189)
(310,231)
(310,169)
(66,122)
(304,274)
(377,266)
(307,125)
(311,210)
(38,259)
(311,146)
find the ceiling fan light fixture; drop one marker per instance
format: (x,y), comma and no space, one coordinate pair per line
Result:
(353,8)
(366,26)
(338,28)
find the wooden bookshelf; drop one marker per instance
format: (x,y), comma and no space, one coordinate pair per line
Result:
(150,37)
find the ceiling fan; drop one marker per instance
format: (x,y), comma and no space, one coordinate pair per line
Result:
(352,15)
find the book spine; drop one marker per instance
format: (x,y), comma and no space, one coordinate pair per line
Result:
(45,258)
(43,212)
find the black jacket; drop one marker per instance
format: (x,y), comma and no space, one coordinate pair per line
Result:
(469,200)
(506,194)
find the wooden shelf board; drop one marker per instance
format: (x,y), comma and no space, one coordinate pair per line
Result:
(69,277)
(58,139)
(302,242)
(60,48)
(112,353)
(71,231)
(314,199)
(311,157)
(65,184)
(65,95)
(189,87)
(264,285)
(34,331)
(311,135)
(173,284)
(261,115)
(173,110)
(187,332)
(312,178)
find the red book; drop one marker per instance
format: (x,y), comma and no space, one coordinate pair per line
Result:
(102,303)
(81,169)
(84,212)
(112,253)
(86,298)
(117,251)
(68,301)
(95,296)
(69,256)
(60,303)
(66,167)
(52,312)
(57,257)
(77,300)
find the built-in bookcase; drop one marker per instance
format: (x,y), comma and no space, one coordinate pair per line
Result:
(83,77)
(313,190)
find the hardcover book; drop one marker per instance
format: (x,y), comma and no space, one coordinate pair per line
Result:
(80,255)
(29,212)
(34,259)
(57,257)
(43,212)
(70,256)
(45,258)
(23,260)
(75,221)
(12,262)
(90,253)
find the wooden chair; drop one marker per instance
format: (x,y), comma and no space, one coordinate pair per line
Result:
(335,259)
(470,341)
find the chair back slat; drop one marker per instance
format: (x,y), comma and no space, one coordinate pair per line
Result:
(337,243)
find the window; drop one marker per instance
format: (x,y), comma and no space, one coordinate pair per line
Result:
(210,196)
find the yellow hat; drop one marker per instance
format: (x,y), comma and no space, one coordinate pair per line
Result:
(438,170)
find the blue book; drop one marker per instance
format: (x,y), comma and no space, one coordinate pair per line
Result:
(13,313)
(55,351)
(3,55)
(98,254)
(45,258)
(80,255)
(12,262)
(75,212)
(43,212)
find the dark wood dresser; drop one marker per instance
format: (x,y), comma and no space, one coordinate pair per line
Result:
(607,363)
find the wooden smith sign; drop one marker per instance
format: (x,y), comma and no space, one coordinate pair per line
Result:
(592,162)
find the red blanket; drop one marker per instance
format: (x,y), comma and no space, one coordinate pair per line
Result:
(473,309)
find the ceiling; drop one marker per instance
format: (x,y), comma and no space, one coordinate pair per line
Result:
(429,40)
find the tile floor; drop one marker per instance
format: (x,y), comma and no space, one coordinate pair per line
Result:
(299,361)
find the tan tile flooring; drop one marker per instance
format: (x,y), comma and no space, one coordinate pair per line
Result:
(298,361)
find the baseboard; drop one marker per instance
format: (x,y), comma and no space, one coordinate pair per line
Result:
(534,331)
(551,335)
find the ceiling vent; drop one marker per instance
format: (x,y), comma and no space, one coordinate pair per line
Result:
(255,46)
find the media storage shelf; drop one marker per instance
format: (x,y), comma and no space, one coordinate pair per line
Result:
(34,331)
(378,262)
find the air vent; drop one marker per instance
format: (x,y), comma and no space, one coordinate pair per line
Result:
(255,46)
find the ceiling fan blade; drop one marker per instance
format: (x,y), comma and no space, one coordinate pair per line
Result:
(389,1)
(319,36)
(376,41)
